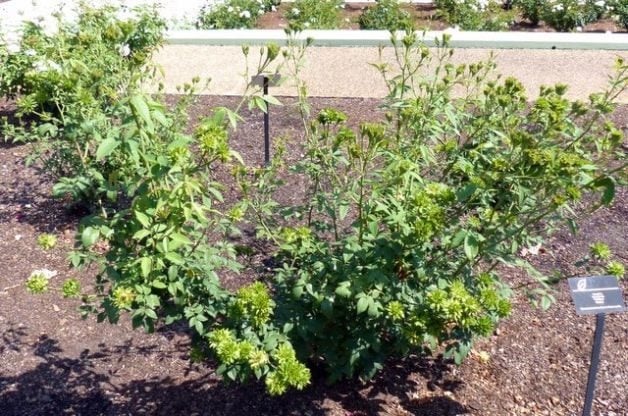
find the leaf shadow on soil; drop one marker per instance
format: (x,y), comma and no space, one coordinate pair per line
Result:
(87,384)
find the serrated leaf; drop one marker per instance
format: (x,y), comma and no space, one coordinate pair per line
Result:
(159,284)
(141,234)
(89,236)
(343,291)
(146,264)
(327,307)
(142,218)
(297,291)
(271,100)
(174,257)
(106,147)
(471,246)
(463,194)
(259,103)
(363,304)
(180,238)
(608,183)
(343,210)
(373,309)
(150,313)
(140,108)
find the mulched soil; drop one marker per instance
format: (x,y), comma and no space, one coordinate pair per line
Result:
(52,362)
(425,16)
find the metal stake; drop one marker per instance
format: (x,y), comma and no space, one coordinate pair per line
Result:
(595,361)
(266,125)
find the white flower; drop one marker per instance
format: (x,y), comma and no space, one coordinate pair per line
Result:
(273,8)
(295,11)
(600,3)
(230,9)
(48,274)
(245,14)
(124,50)
(45,66)
(558,8)
(260,12)
(30,52)
(125,14)
(483,4)
(13,47)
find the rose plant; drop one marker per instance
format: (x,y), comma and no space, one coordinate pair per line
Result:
(397,244)
(233,14)
(66,85)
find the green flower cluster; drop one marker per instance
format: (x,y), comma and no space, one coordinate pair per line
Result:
(281,369)
(289,372)
(253,303)
(47,241)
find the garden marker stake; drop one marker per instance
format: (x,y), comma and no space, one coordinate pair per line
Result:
(597,295)
(266,125)
(265,80)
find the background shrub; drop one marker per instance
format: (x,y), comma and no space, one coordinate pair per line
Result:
(531,9)
(395,247)
(315,14)
(566,15)
(385,15)
(620,12)
(475,14)
(233,14)
(66,87)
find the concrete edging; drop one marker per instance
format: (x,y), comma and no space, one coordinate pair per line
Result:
(374,38)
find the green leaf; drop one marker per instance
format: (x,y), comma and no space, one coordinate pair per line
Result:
(271,100)
(142,218)
(106,147)
(608,183)
(471,246)
(140,108)
(327,307)
(159,284)
(259,103)
(363,304)
(463,194)
(343,290)
(373,310)
(343,210)
(174,257)
(89,236)
(146,264)
(180,238)
(141,234)
(150,313)
(297,291)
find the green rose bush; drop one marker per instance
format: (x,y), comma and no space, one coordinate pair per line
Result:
(394,248)
(66,81)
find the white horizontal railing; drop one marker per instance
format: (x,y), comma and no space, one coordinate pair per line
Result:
(371,38)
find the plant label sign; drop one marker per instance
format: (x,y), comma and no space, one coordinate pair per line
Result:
(596,294)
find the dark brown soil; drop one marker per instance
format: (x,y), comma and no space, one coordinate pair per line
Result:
(425,17)
(54,363)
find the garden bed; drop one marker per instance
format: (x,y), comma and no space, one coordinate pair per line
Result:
(52,362)
(424,17)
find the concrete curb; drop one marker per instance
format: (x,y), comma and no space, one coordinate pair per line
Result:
(374,38)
